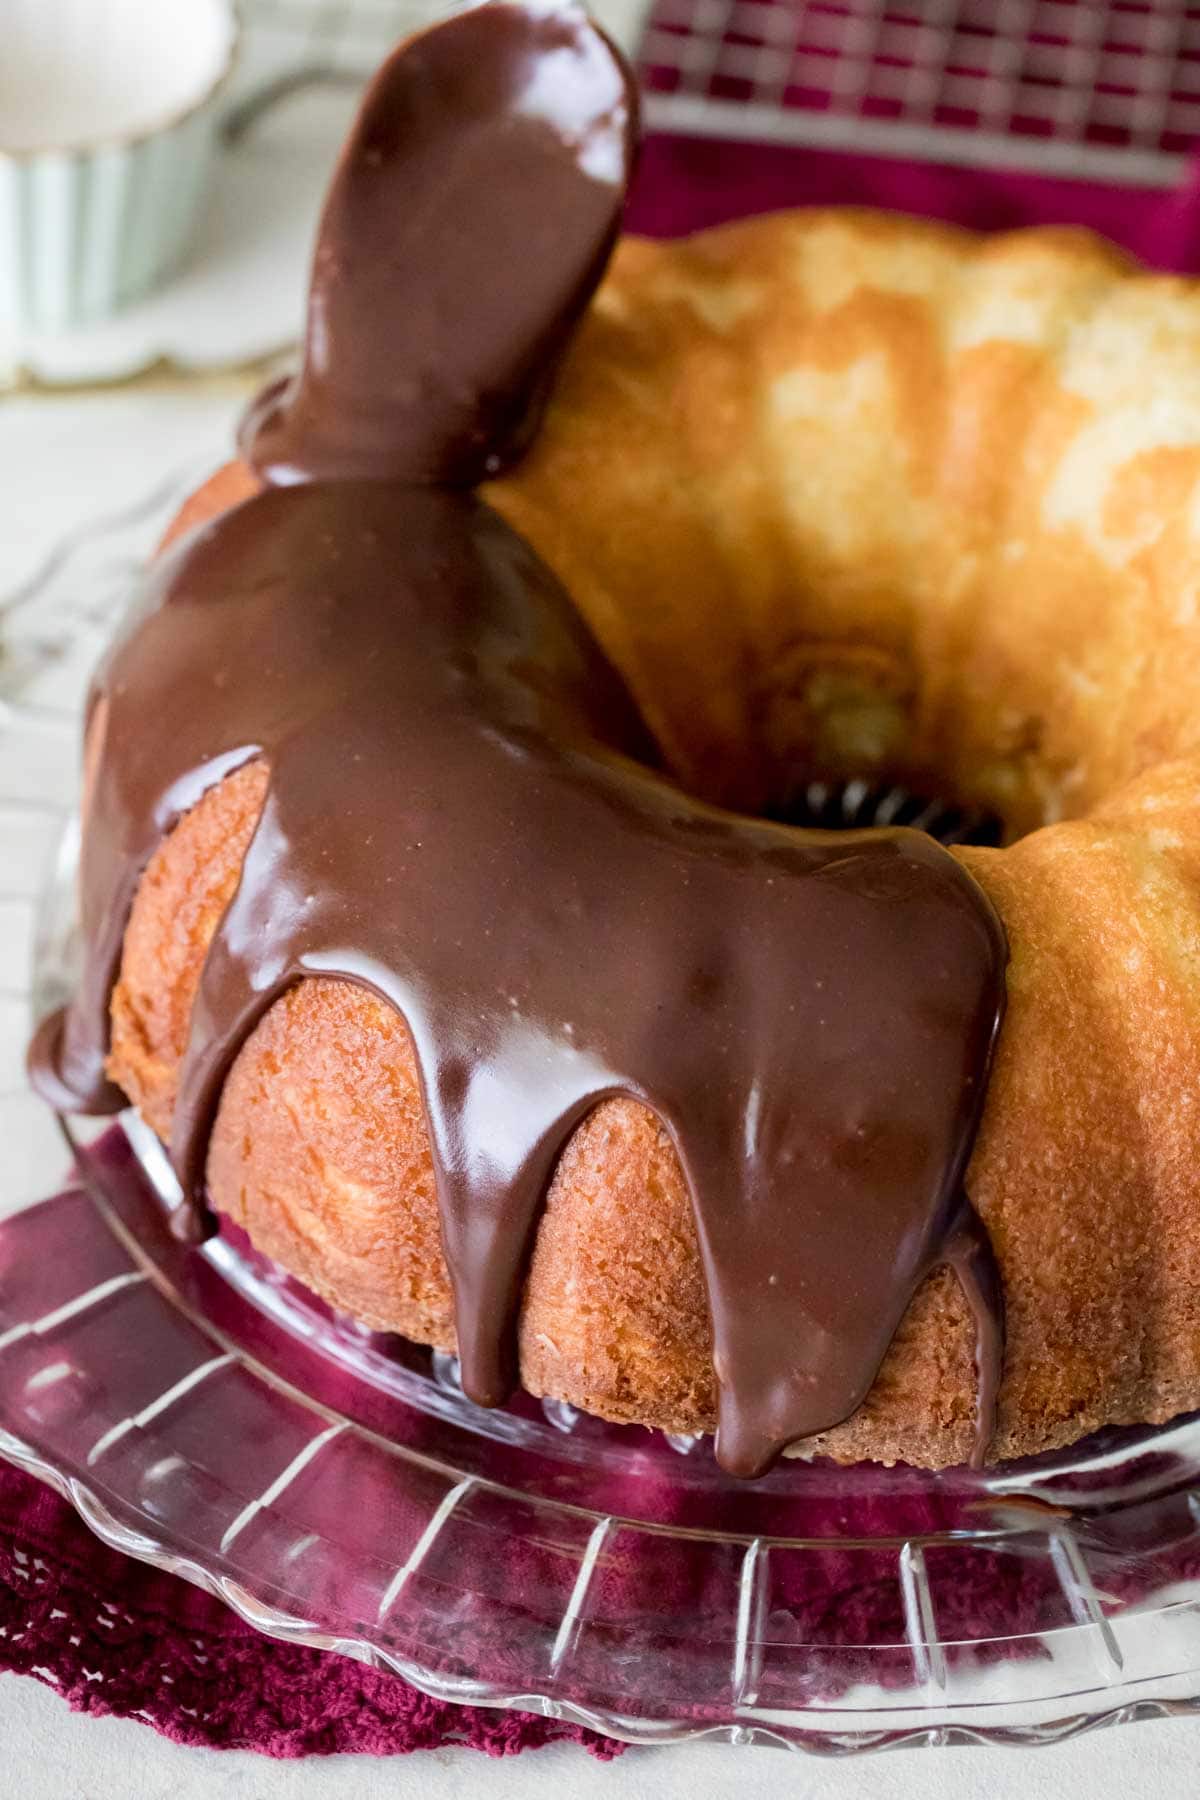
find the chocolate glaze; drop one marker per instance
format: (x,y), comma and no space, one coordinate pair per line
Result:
(455,820)
(470,217)
(461,816)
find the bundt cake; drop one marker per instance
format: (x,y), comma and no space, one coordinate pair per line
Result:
(682,1096)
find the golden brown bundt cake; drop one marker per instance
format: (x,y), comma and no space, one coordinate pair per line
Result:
(839,495)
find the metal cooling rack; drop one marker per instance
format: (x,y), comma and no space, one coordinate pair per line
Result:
(1099,89)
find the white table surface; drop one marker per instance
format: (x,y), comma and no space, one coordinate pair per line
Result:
(66,459)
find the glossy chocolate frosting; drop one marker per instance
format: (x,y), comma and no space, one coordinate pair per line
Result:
(470,217)
(463,816)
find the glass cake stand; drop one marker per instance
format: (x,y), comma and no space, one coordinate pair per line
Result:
(206,1414)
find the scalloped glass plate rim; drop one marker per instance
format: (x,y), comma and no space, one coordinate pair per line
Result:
(942,1731)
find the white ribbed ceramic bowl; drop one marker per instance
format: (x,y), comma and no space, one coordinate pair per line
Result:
(108,118)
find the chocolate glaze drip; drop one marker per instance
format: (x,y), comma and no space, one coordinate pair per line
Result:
(461,816)
(455,820)
(470,217)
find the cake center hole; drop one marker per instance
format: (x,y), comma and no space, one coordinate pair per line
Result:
(856,804)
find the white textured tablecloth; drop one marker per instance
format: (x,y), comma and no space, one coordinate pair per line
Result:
(64,460)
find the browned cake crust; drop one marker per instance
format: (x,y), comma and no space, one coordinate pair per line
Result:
(823,514)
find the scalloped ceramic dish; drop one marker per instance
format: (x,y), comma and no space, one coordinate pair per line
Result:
(205,1413)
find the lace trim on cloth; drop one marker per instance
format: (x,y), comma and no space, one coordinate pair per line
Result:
(117,1637)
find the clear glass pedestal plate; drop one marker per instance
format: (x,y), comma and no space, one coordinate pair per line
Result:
(205,1413)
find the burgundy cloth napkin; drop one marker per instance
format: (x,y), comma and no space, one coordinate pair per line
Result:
(114,1636)
(686,183)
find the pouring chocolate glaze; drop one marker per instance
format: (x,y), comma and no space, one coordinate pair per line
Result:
(460,816)
(470,217)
